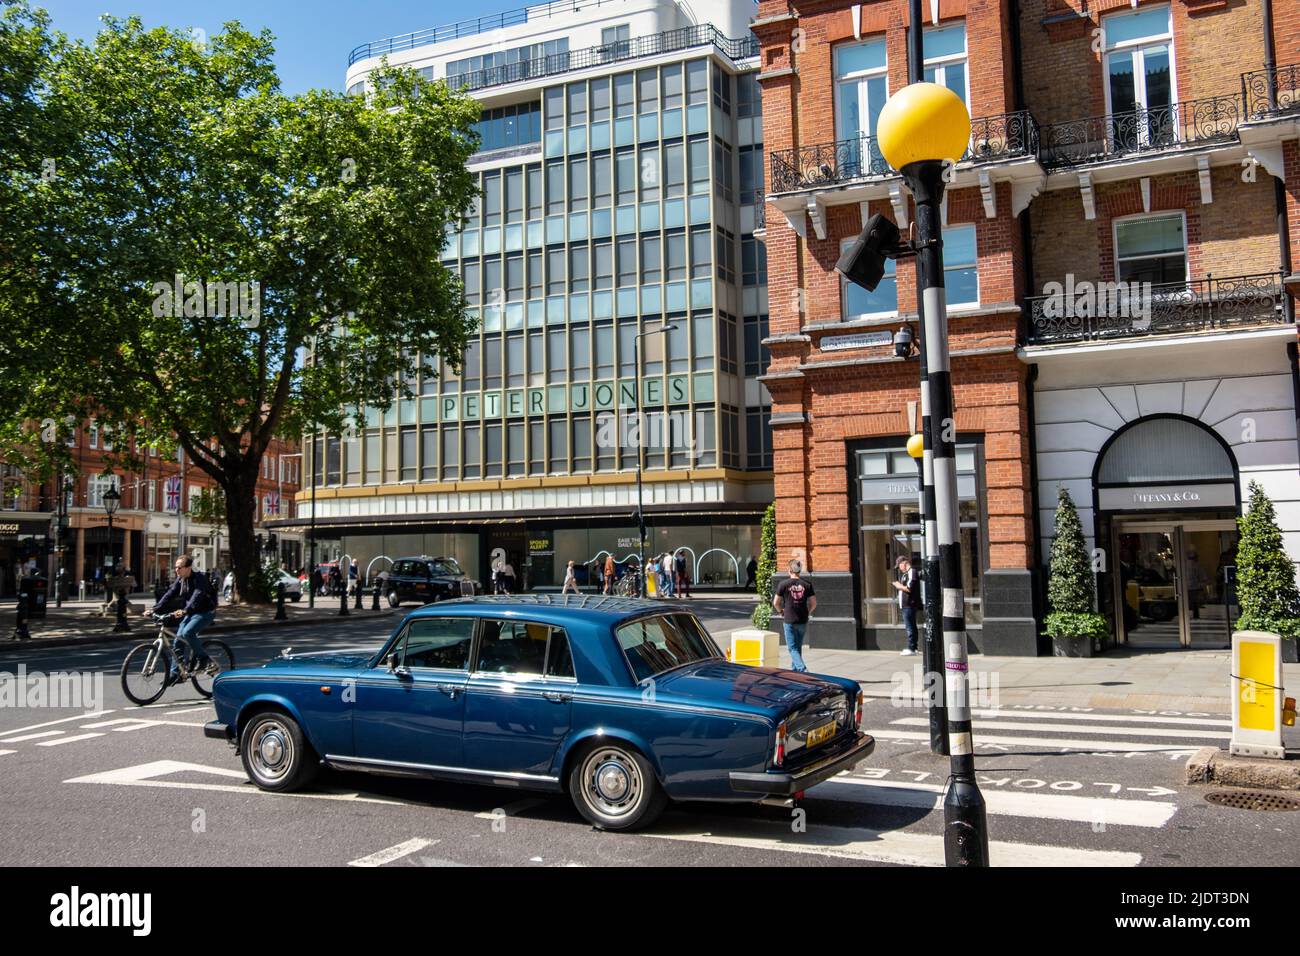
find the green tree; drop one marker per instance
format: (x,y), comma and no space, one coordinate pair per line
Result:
(1266,584)
(209,506)
(762,615)
(304,236)
(1070,584)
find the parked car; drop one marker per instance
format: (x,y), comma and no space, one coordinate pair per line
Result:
(623,704)
(427,579)
(292,586)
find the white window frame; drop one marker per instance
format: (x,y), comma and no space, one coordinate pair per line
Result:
(961,306)
(152,496)
(1138,48)
(94,434)
(96,486)
(1164,214)
(882,318)
(858,81)
(941,63)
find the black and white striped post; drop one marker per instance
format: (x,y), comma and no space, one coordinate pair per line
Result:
(922,129)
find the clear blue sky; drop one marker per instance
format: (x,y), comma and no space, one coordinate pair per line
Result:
(312,37)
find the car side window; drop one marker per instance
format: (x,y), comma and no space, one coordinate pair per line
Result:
(559,659)
(441,642)
(512,647)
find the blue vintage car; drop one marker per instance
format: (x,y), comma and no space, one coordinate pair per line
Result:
(624,704)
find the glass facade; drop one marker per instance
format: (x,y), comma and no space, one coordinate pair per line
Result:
(625,219)
(889,526)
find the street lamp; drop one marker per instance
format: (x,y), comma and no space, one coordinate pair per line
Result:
(640,445)
(112,501)
(922,131)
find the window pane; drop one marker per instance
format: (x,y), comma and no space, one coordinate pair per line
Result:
(439,642)
(1134,26)
(512,647)
(860,57)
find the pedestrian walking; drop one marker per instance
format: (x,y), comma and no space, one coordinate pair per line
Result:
(610,571)
(353,573)
(795,601)
(682,575)
(666,575)
(909,594)
(570,580)
(751,574)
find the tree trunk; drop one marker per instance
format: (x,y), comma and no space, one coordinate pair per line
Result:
(241,514)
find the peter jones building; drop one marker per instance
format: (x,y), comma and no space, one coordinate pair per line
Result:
(621,174)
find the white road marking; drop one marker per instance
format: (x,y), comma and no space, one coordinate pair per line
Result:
(393,853)
(119,720)
(18,740)
(3,752)
(511,809)
(1054,743)
(1131,813)
(50,723)
(188,710)
(1037,715)
(893,846)
(143,775)
(67,740)
(1078,729)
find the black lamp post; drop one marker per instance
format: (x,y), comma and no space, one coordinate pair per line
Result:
(112,501)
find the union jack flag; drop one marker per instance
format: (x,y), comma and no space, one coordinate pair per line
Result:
(173,492)
(271,503)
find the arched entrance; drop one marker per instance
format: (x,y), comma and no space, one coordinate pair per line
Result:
(1166,497)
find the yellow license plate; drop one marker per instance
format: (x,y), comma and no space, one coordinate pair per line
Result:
(821,734)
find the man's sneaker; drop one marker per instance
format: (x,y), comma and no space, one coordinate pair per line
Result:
(907,652)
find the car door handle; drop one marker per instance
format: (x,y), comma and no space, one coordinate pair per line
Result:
(451,690)
(556,698)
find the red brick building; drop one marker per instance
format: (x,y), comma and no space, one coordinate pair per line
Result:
(1150,143)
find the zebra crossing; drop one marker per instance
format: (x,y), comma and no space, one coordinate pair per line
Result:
(56,733)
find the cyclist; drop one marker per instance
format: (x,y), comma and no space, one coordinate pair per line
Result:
(199,599)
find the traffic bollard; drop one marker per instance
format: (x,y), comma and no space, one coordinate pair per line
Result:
(279,603)
(20,625)
(374,598)
(343,601)
(358,590)
(121,626)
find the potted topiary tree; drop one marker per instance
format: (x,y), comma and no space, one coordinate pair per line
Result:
(762,615)
(1072,624)
(1266,585)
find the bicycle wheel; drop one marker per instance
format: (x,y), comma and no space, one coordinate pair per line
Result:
(224,659)
(144,673)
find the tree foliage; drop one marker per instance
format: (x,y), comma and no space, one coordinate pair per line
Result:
(1266,583)
(1070,590)
(762,615)
(180,166)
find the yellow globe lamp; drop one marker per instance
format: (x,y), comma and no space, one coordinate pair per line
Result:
(923,121)
(916,446)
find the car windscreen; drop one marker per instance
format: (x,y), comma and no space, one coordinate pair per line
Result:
(445,566)
(656,644)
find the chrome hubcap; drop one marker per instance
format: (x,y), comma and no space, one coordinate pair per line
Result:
(613,783)
(272,750)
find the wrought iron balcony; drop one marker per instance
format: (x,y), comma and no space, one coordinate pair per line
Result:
(1269,93)
(1105,311)
(993,138)
(669,41)
(1099,138)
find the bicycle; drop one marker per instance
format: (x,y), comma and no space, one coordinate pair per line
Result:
(147,666)
(629,585)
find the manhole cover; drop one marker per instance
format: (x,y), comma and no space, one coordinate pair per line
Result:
(1254,799)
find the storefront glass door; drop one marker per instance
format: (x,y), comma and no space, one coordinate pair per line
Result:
(1176,583)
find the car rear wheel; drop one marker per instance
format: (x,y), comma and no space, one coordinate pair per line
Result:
(276,754)
(614,788)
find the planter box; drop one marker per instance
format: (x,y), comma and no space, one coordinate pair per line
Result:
(1072,646)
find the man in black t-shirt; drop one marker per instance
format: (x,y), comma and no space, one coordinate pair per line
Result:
(795,601)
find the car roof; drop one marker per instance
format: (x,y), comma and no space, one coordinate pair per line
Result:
(586,607)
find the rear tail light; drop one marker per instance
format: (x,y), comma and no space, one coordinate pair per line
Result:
(857,712)
(779,757)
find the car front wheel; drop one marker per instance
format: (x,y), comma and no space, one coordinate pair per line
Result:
(276,754)
(614,788)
